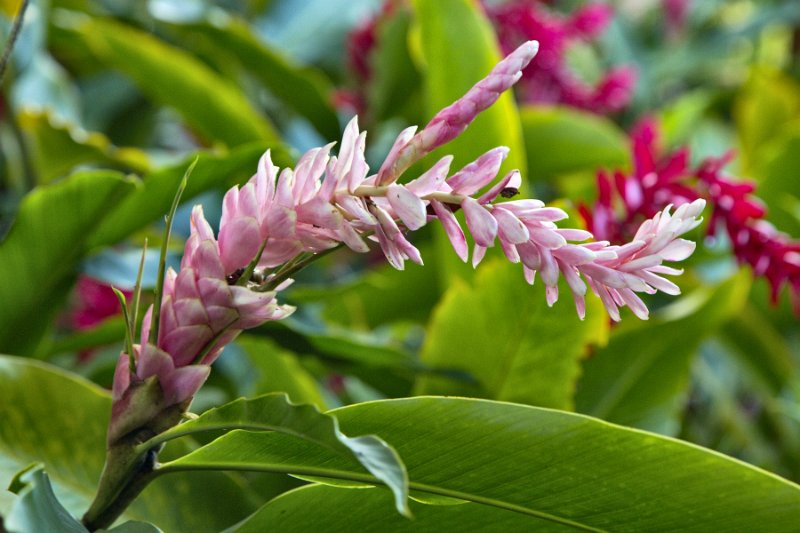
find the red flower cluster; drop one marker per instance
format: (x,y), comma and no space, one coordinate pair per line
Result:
(657,180)
(547,80)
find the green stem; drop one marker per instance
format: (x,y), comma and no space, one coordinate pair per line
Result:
(12,38)
(285,274)
(126,472)
(162,261)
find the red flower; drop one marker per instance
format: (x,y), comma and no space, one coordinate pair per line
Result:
(660,179)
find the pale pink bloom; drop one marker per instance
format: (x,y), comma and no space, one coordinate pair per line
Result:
(200,313)
(326,201)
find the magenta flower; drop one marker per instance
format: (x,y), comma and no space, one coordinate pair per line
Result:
(549,80)
(94,302)
(657,180)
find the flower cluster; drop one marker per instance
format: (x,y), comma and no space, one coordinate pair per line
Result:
(280,218)
(548,79)
(625,200)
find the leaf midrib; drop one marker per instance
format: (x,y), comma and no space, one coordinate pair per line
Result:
(178,466)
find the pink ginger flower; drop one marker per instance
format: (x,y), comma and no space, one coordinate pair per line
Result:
(200,313)
(549,80)
(281,218)
(658,180)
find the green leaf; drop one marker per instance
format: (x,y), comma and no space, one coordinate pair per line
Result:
(279,371)
(641,376)
(394,80)
(364,348)
(537,463)
(305,90)
(379,296)
(152,201)
(274,413)
(216,108)
(289,513)
(777,174)
(765,104)
(758,345)
(562,140)
(38,509)
(40,254)
(500,334)
(58,147)
(59,419)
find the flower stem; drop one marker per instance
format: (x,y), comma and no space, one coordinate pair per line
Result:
(125,474)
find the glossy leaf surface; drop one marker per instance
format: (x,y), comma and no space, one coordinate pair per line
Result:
(532,462)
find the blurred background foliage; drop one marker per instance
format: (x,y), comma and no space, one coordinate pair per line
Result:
(106,102)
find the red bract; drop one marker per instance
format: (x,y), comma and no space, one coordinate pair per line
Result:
(95,301)
(660,179)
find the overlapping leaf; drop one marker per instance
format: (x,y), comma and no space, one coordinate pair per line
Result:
(536,464)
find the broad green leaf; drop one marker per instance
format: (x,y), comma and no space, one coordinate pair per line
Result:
(40,254)
(757,344)
(38,509)
(289,513)
(640,378)
(448,72)
(58,147)
(765,104)
(274,413)
(362,347)
(152,201)
(305,90)
(59,419)
(379,296)
(569,469)
(680,118)
(505,343)
(394,80)
(216,108)
(278,370)
(778,176)
(561,140)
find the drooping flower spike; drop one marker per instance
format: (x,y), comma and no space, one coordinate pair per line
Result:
(281,219)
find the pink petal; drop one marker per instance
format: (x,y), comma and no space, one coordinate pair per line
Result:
(511,181)
(239,241)
(122,376)
(478,252)
(184,343)
(479,173)
(408,207)
(387,174)
(184,383)
(509,227)
(677,250)
(452,229)
(482,225)
(432,179)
